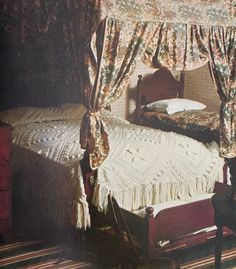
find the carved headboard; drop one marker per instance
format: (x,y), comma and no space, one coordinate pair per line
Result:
(161,85)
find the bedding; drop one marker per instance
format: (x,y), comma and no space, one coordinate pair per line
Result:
(173,105)
(149,166)
(145,166)
(201,125)
(169,111)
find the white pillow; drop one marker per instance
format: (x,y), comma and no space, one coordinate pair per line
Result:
(174,105)
(72,111)
(26,115)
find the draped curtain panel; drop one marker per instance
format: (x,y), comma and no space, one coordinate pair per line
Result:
(26,19)
(34,66)
(186,47)
(122,46)
(191,12)
(80,20)
(177,46)
(222,49)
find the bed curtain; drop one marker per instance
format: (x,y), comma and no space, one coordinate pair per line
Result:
(186,47)
(105,39)
(198,45)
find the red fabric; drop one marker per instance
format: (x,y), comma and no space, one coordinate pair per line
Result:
(5,175)
(5,183)
(5,203)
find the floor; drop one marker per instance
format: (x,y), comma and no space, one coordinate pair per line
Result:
(100,247)
(101,250)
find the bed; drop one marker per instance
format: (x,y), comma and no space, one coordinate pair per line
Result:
(167,174)
(160,104)
(98,44)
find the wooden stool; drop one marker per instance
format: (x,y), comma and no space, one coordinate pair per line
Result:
(225,215)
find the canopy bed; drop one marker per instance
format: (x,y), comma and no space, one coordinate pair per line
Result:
(147,169)
(113,37)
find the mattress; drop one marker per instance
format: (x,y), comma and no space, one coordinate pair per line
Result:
(145,166)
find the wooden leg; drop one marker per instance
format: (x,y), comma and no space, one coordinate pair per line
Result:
(218,248)
(231,162)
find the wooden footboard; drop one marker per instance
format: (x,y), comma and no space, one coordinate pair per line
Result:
(178,222)
(177,226)
(170,225)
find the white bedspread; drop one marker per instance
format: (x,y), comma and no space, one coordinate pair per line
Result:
(145,166)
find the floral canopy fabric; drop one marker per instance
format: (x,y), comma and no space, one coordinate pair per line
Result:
(201,12)
(181,35)
(105,39)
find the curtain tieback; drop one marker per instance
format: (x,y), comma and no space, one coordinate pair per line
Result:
(93,113)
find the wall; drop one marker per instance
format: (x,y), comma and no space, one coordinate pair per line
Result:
(124,106)
(198,86)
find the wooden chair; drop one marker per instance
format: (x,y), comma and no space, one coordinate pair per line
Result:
(225,216)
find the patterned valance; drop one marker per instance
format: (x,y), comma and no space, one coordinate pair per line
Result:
(201,12)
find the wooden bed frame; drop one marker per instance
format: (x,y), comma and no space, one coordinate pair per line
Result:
(176,225)
(180,226)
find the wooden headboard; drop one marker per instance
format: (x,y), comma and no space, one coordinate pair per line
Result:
(161,85)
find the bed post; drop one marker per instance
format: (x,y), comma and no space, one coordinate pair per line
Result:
(181,92)
(150,246)
(231,162)
(138,100)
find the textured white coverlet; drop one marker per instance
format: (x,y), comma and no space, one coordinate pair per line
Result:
(46,161)
(147,166)
(144,167)
(46,164)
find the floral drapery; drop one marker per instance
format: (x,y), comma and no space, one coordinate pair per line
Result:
(100,65)
(177,46)
(27,19)
(191,12)
(222,49)
(121,47)
(186,47)
(80,20)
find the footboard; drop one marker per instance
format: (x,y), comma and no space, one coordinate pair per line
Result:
(178,227)
(179,222)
